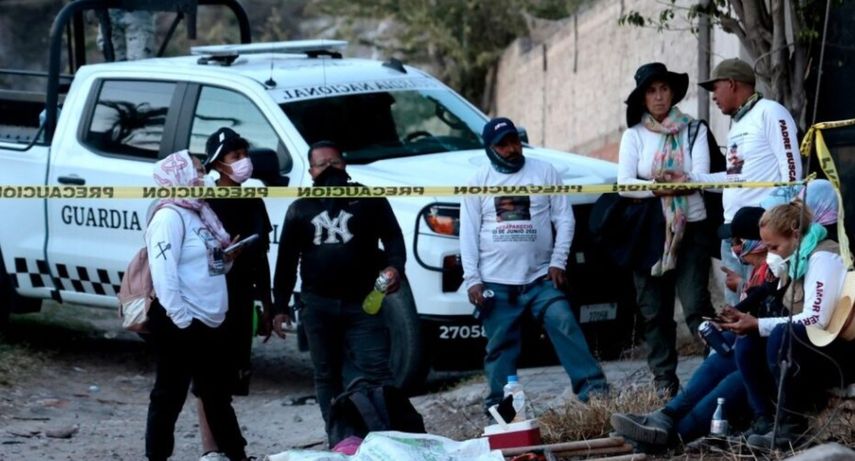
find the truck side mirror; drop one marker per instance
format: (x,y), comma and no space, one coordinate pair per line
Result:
(523,134)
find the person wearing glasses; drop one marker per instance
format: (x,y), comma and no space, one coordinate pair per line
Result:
(335,241)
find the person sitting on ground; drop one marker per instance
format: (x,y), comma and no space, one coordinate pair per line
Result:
(687,416)
(811,269)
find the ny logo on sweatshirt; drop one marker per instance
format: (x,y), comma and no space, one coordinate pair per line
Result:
(335,227)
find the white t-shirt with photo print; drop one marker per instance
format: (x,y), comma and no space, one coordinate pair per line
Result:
(509,239)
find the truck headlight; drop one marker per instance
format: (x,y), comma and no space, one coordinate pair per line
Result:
(443,219)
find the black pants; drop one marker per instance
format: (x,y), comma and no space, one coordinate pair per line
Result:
(194,353)
(655,296)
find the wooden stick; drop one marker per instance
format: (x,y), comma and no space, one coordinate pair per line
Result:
(566,446)
(618,450)
(632,457)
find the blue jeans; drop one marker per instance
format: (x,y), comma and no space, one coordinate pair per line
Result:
(750,354)
(693,407)
(731,262)
(812,372)
(341,334)
(503,326)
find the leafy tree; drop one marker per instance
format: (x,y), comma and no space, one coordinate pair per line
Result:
(461,40)
(778,34)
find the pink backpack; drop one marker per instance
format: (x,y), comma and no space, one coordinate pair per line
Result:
(137,291)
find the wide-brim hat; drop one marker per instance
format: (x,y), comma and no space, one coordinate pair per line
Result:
(644,76)
(841,323)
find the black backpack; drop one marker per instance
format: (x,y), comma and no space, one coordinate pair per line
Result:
(712,200)
(365,408)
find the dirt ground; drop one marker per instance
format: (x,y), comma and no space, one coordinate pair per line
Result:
(74,386)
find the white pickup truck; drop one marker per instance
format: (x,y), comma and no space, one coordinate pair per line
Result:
(397,125)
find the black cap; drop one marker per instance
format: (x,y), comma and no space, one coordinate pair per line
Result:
(745,224)
(222,142)
(496,129)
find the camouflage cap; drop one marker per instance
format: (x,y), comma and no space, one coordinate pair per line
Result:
(734,68)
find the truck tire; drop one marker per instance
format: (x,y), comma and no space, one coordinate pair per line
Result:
(409,360)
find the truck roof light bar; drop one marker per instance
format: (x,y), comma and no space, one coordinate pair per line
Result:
(311,48)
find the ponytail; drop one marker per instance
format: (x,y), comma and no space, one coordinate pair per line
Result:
(787,219)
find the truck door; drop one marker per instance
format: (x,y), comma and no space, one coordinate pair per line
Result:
(123,128)
(217,107)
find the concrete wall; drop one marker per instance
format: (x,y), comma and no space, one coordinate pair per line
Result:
(568,88)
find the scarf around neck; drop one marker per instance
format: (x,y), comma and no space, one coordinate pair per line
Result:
(799,264)
(669,155)
(177,170)
(747,106)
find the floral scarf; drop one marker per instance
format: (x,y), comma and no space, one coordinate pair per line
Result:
(669,156)
(177,170)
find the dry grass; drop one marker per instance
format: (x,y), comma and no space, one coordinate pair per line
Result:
(578,421)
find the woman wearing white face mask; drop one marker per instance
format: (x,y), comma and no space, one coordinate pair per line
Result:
(811,274)
(249,278)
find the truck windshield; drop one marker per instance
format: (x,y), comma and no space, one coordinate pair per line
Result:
(376,126)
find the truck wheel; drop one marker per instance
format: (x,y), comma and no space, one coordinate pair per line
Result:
(409,358)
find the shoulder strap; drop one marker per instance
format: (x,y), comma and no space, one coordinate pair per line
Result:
(694,129)
(374,421)
(183,226)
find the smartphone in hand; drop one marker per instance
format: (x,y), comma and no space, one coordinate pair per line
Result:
(240,244)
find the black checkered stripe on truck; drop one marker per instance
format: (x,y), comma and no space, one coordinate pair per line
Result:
(35,274)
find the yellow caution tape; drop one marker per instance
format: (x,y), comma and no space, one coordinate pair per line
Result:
(132,192)
(826,162)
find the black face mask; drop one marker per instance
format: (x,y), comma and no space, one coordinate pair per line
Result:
(503,165)
(332,176)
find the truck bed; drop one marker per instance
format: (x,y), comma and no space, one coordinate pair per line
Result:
(19,115)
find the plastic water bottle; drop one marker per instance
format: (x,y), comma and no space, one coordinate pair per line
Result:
(718,425)
(515,389)
(374,300)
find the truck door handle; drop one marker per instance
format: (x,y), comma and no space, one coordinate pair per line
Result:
(76,180)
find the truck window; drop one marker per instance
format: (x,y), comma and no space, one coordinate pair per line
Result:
(129,117)
(375,126)
(218,107)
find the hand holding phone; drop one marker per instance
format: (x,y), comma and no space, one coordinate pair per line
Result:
(240,244)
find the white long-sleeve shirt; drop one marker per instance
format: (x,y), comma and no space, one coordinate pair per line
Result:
(761,146)
(823,283)
(509,240)
(638,146)
(178,259)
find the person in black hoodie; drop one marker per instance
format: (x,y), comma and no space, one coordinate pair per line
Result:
(249,277)
(335,241)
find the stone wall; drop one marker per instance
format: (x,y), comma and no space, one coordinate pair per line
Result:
(568,88)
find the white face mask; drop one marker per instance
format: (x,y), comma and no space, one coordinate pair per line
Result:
(777,264)
(241,170)
(209,181)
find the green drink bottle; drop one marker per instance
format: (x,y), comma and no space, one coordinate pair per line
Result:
(374,300)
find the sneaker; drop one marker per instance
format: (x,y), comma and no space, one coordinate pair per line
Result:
(789,436)
(762,425)
(653,428)
(214,456)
